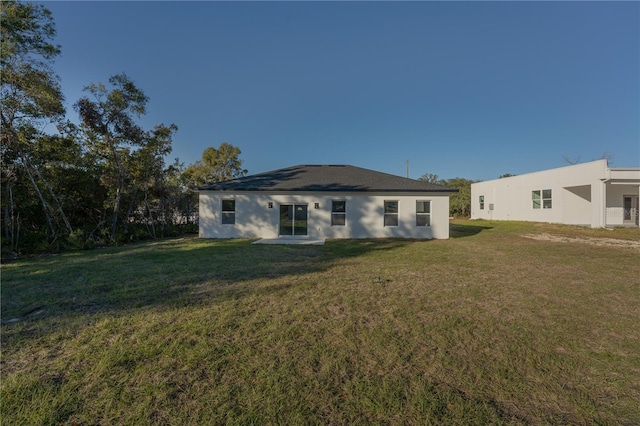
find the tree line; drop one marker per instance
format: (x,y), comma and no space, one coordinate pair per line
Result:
(102,181)
(105,180)
(459,202)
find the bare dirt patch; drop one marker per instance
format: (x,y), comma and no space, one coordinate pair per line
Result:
(605,242)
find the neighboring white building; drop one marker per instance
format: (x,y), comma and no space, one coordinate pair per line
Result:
(590,194)
(318,202)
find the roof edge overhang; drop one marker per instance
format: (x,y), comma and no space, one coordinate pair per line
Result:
(360,191)
(622,181)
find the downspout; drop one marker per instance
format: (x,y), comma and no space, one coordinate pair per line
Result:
(603,209)
(604,203)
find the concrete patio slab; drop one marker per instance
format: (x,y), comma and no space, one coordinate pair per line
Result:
(290,241)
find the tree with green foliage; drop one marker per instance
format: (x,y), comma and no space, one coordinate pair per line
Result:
(31,98)
(30,89)
(429,177)
(80,185)
(459,202)
(110,132)
(147,168)
(179,201)
(216,165)
(129,155)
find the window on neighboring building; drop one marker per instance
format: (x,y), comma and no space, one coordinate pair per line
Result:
(338,213)
(541,198)
(423,213)
(482,202)
(546,198)
(535,198)
(390,213)
(228,212)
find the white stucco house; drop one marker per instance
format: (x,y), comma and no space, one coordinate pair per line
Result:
(316,202)
(590,194)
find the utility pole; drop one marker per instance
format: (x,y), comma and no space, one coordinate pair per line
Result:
(407,169)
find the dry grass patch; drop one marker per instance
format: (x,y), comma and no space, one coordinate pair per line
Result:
(488,327)
(603,242)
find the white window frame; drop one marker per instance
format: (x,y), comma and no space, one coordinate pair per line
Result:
(547,199)
(544,199)
(335,214)
(227,217)
(481,201)
(391,214)
(426,214)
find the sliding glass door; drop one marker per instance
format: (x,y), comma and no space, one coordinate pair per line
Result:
(293,219)
(630,204)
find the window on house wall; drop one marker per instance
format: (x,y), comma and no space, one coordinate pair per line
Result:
(541,198)
(423,213)
(482,202)
(338,213)
(228,212)
(390,213)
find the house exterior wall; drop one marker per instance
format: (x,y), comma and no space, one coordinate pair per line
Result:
(615,196)
(364,215)
(576,205)
(584,194)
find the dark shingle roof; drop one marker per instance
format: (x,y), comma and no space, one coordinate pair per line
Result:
(330,178)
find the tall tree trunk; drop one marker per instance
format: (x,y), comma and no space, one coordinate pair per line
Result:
(132,204)
(9,220)
(146,202)
(119,188)
(114,216)
(43,202)
(17,231)
(58,204)
(6,225)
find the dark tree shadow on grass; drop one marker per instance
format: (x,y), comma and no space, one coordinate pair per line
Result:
(49,292)
(457,230)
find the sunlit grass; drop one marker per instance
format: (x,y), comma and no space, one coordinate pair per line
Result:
(488,327)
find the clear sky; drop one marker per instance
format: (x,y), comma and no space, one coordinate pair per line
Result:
(460,89)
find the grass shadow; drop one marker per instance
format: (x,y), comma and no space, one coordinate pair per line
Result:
(466,229)
(166,273)
(356,331)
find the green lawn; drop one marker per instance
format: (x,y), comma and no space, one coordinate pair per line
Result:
(489,327)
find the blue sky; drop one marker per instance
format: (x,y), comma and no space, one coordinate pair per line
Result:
(468,89)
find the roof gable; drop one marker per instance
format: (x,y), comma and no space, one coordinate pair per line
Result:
(329,178)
